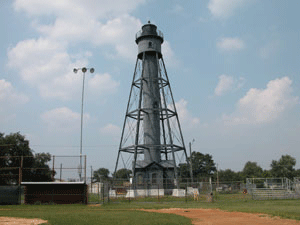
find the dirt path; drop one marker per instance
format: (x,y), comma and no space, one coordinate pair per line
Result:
(216,217)
(20,221)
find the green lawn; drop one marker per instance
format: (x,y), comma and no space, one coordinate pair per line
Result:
(126,213)
(283,208)
(82,214)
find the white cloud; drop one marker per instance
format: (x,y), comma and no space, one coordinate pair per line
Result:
(269,49)
(102,84)
(34,57)
(96,22)
(185,118)
(9,96)
(169,55)
(111,129)
(223,9)
(264,106)
(77,8)
(63,119)
(118,32)
(177,9)
(231,44)
(45,64)
(225,84)
(228,83)
(10,100)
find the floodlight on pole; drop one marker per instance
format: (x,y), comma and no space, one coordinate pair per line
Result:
(83,70)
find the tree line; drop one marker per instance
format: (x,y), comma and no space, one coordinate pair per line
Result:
(284,167)
(15,152)
(204,167)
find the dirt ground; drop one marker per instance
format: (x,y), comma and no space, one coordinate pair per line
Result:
(216,217)
(198,216)
(20,221)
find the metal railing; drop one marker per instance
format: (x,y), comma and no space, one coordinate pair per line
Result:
(139,34)
(273,188)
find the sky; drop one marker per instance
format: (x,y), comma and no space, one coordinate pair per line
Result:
(233,68)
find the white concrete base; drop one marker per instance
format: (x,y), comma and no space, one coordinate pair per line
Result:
(178,193)
(192,191)
(112,193)
(145,193)
(131,194)
(95,188)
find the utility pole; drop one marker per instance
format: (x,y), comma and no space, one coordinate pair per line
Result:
(91,174)
(91,179)
(60,171)
(217,176)
(191,167)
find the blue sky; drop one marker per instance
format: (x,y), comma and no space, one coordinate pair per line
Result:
(233,67)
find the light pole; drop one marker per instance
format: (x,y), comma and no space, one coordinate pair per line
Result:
(84,70)
(191,167)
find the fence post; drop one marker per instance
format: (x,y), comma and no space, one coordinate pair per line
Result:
(108,189)
(20,180)
(60,171)
(98,193)
(102,186)
(53,171)
(20,194)
(185,193)
(91,179)
(158,192)
(85,169)
(21,171)
(129,191)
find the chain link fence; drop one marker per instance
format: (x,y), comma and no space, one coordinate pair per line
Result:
(17,169)
(273,188)
(117,191)
(16,172)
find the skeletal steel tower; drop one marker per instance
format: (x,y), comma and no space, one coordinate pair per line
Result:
(151,138)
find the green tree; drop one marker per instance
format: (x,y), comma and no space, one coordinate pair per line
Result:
(14,153)
(285,167)
(203,165)
(122,174)
(184,171)
(228,175)
(266,174)
(101,175)
(41,170)
(251,169)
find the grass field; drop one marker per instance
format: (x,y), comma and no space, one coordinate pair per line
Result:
(126,213)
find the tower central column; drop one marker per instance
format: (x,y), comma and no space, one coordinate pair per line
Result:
(151,96)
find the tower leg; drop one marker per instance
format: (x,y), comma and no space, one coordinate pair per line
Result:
(138,120)
(170,132)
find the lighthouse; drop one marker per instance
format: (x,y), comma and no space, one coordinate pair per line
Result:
(151,141)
